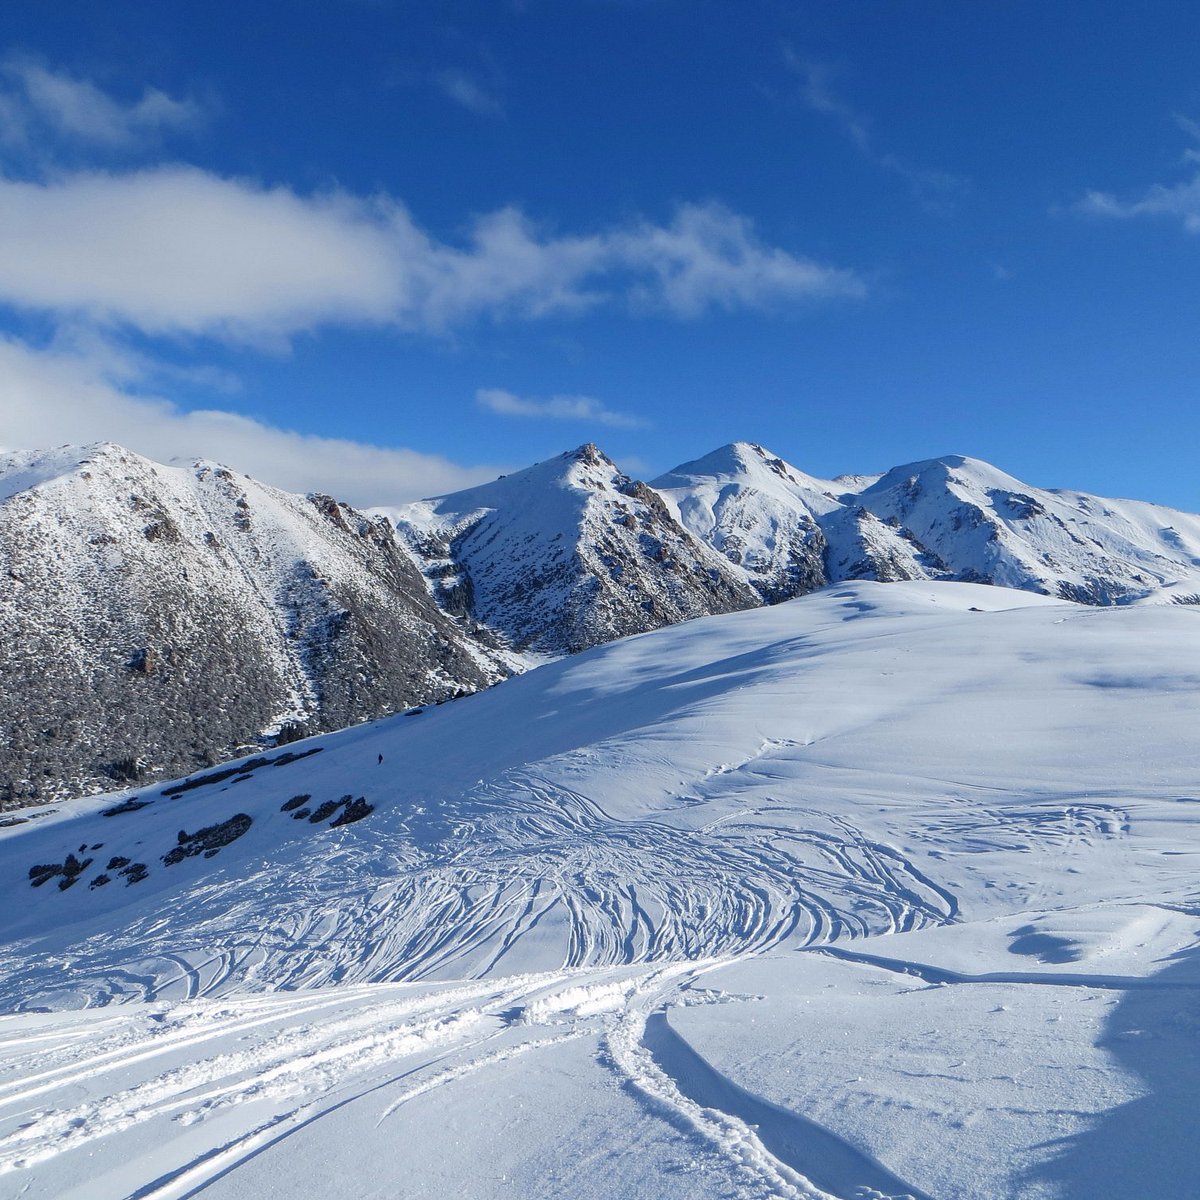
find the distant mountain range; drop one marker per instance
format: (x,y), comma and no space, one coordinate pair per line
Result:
(155,619)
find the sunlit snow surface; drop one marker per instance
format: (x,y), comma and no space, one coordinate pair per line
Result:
(892,890)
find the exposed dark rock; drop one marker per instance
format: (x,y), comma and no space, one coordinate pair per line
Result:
(355,810)
(130,804)
(208,840)
(326,809)
(242,771)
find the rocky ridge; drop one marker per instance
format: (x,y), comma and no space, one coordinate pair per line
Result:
(568,554)
(155,619)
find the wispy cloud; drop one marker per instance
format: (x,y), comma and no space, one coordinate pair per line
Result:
(178,250)
(1180,200)
(469,91)
(555,408)
(94,391)
(35,99)
(818,91)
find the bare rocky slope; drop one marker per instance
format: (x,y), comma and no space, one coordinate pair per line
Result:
(154,619)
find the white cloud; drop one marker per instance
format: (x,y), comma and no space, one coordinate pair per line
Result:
(81,395)
(36,98)
(468,91)
(1180,201)
(557,408)
(709,257)
(178,250)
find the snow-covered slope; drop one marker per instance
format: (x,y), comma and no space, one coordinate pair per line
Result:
(154,618)
(567,554)
(759,512)
(890,890)
(983,524)
(948,518)
(130,589)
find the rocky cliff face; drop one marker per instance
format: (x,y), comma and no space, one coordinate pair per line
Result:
(567,554)
(153,619)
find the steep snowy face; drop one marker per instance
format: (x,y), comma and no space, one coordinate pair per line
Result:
(788,532)
(153,618)
(567,554)
(759,512)
(950,518)
(971,521)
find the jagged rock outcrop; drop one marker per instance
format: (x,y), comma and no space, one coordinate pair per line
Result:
(154,619)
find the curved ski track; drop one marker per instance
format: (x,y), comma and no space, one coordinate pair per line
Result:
(524,874)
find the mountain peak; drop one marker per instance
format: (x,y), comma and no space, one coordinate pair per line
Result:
(591,454)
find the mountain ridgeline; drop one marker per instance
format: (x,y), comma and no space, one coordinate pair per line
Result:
(157,619)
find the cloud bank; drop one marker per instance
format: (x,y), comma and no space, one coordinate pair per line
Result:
(555,408)
(178,250)
(105,257)
(70,395)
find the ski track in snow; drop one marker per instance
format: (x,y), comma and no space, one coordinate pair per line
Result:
(524,852)
(281,1062)
(648,909)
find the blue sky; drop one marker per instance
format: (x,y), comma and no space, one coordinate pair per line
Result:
(387,249)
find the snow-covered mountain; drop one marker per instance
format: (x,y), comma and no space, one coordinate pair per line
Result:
(155,618)
(948,518)
(982,524)
(889,891)
(567,554)
(758,512)
(129,589)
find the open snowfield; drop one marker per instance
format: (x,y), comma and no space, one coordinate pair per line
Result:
(891,890)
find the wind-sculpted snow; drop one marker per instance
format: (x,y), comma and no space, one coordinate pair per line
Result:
(867,894)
